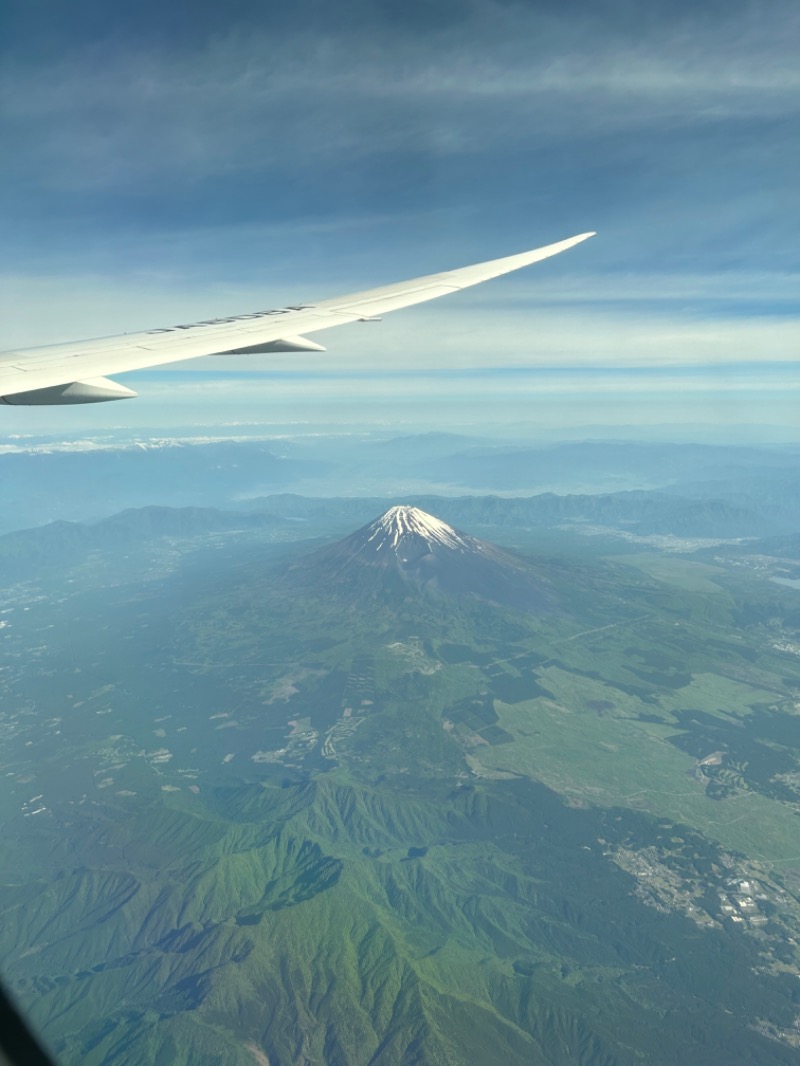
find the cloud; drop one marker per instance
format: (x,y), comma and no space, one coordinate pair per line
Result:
(251,99)
(370,145)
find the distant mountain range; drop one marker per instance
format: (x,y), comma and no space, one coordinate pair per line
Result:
(66,543)
(90,483)
(86,480)
(292,517)
(585,465)
(637,511)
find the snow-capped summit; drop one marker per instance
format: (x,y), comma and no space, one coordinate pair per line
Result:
(401,527)
(406,548)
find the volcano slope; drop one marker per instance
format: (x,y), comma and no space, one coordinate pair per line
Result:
(407,551)
(412,799)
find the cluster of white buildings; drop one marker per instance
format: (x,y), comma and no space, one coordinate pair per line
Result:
(740,904)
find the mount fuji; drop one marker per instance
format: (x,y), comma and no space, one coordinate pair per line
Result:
(407,550)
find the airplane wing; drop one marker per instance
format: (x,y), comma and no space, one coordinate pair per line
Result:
(75,372)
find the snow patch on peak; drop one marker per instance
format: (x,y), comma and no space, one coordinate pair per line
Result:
(399,522)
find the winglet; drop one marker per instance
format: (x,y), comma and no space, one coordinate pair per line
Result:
(473,275)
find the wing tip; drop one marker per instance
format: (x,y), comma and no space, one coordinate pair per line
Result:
(562,246)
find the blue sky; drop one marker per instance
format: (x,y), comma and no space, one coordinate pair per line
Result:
(168,161)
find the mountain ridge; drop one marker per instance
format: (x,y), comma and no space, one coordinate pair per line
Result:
(641,512)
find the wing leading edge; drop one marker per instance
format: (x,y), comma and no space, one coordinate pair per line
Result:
(76,372)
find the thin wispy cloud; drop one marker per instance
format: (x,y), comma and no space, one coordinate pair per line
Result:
(499,76)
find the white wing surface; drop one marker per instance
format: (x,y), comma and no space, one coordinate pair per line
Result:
(76,372)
